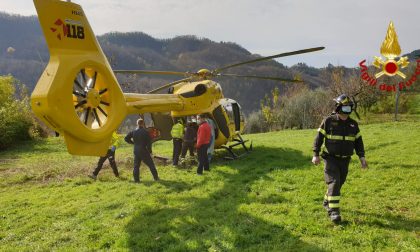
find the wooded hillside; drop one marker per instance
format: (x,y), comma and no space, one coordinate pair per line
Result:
(23,53)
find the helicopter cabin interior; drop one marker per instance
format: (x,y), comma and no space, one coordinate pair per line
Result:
(163,122)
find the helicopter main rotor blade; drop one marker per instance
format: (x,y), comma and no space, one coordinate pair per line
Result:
(169,85)
(151,72)
(218,70)
(260,77)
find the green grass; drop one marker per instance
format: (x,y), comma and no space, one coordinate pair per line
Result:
(371,118)
(270,200)
(415,105)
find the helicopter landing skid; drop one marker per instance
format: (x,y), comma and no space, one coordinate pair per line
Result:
(238,141)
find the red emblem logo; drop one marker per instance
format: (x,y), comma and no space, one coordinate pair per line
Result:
(61,25)
(391,50)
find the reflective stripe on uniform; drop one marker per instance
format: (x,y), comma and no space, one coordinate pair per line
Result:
(340,156)
(344,138)
(334,137)
(333,205)
(322,131)
(349,138)
(333,198)
(333,201)
(358,135)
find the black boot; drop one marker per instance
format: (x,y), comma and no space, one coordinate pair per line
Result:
(335,216)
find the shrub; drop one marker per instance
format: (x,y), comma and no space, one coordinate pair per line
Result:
(304,109)
(255,123)
(386,103)
(16,120)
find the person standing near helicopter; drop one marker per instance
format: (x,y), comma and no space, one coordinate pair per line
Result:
(142,142)
(110,155)
(342,136)
(203,141)
(190,136)
(213,127)
(177,134)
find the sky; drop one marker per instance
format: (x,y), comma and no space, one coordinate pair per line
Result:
(350,30)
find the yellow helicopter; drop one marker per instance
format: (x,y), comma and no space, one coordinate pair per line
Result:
(79,96)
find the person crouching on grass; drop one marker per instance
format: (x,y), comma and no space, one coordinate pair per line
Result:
(203,142)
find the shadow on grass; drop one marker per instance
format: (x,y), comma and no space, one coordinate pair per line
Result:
(220,221)
(387,221)
(171,186)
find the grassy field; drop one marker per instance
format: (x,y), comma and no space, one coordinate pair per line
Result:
(270,200)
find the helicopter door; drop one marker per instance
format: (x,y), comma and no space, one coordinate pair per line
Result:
(162,122)
(236,116)
(221,122)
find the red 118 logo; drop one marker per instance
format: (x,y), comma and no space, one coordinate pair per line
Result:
(68,30)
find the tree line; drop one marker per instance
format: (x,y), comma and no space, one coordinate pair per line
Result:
(304,107)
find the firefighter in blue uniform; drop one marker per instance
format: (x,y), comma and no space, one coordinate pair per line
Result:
(342,136)
(142,142)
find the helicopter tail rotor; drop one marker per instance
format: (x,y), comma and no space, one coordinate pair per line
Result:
(77,94)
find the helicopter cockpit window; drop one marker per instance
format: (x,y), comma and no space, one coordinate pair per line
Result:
(229,112)
(188,94)
(237,114)
(198,90)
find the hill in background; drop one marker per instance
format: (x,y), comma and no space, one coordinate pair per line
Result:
(138,50)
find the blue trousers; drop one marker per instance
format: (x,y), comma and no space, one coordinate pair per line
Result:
(147,159)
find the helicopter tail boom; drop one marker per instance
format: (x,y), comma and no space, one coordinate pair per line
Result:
(150,103)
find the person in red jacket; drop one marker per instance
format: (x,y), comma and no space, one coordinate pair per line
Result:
(203,142)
